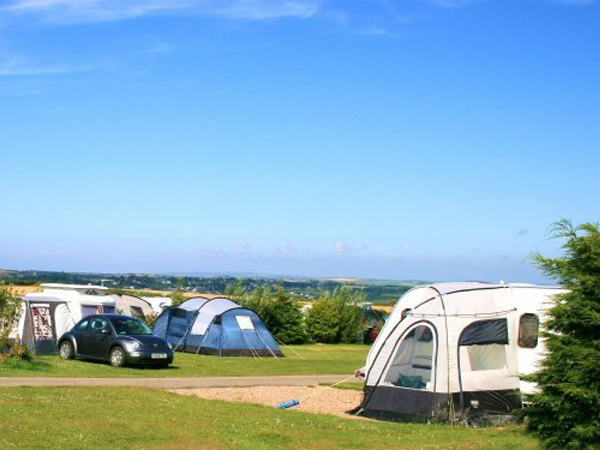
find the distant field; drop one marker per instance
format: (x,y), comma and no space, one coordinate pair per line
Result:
(23,290)
(315,359)
(135,419)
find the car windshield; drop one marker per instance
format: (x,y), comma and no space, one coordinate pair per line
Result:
(129,325)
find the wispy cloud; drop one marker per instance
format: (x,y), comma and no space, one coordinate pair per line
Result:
(55,111)
(264,9)
(288,249)
(574,2)
(464,3)
(457,3)
(158,48)
(85,11)
(19,68)
(244,249)
(344,247)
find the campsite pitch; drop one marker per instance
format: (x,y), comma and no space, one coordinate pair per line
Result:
(315,359)
(133,419)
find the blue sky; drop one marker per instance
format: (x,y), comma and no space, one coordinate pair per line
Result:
(417,139)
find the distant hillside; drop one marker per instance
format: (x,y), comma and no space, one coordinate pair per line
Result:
(376,291)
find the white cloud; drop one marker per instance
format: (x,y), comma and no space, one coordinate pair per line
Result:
(84,11)
(209,250)
(288,249)
(344,247)
(244,249)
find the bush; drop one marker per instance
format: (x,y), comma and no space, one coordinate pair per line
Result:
(565,414)
(336,317)
(10,310)
(280,313)
(19,351)
(177,296)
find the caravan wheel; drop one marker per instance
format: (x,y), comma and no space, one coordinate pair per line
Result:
(117,357)
(66,350)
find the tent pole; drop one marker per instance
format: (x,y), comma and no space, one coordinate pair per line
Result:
(266,345)
(451,409)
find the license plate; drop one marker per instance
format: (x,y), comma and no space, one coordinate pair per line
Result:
(159,356)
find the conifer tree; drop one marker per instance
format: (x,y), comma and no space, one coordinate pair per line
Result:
(565,413)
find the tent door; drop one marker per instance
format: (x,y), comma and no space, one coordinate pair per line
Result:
(42,328)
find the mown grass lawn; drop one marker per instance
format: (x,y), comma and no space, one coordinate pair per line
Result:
(300,360)
(147,419)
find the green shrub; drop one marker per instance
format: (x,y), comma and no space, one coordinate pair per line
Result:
(19,351)
(336,317)
(10,310)
(280,313)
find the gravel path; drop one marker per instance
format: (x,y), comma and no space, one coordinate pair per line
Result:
(176,383)
(265,390)
(315,399)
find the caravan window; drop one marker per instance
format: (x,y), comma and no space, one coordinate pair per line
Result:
(412,363)
(529,326)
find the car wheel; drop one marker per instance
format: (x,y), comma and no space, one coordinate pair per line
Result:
(116,358)
(66,350)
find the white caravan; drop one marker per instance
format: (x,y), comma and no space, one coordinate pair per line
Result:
(50,313)
(455,351)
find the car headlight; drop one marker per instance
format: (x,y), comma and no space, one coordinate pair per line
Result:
(132,345)
(169,345)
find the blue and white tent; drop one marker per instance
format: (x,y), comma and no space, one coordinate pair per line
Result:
(215,327)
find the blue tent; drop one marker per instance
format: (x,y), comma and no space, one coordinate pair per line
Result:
(215,327)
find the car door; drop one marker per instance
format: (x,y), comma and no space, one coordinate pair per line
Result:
(81,334)
(101,336)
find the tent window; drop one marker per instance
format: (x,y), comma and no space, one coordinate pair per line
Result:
(529,326)
(411,366)
(88,310)
(483,357)
(178,312)
(484,332)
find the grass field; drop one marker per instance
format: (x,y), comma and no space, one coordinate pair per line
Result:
(307,360)
(147,419)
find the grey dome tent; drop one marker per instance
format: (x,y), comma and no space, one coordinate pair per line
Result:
(130,305)
(215,327)
(456,351)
